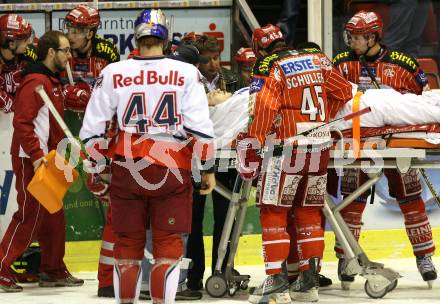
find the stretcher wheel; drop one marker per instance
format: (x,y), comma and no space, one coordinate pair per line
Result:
(216,286)
(244,285)
(232,291)
(392,286)
(373,292)
(345,285)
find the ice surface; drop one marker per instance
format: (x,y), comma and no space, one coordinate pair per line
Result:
(410,289)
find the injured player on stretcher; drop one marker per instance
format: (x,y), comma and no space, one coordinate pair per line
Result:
(388,108)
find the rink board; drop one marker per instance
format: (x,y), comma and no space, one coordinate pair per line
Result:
(378,244)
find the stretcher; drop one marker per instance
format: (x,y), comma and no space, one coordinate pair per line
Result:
(379,151)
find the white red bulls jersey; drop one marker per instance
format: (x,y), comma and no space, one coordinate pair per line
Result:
(293,91)
(161,106)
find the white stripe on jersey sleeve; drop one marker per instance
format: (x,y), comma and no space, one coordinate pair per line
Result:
(195,108)
(100,108)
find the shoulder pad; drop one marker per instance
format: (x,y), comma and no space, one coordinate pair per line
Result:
(30,54)
(343,57)
(264,65)
(403,60)
(105,49)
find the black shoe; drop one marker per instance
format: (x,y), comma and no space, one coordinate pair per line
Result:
(106,292)
(188,295)
(144,295)
(195,285)
(324,281)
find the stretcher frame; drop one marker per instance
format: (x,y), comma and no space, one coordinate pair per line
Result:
(379,279)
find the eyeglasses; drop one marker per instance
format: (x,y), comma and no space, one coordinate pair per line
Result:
(65,50)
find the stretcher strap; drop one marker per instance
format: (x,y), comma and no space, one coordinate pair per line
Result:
(356,126)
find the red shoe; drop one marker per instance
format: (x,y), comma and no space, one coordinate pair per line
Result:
(8,284)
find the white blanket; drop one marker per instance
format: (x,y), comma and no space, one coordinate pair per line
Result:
(391,108)
(388,107)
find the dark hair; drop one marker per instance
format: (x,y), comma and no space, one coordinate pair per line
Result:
(276,45)
(206,43)
(50,39)
(148,41)
(308,45)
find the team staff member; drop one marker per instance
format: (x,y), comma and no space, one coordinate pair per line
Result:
(218,82)
(401,72)
(162,113)
(35,133)
(287,85)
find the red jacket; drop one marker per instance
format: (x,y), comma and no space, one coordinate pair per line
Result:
(36,131)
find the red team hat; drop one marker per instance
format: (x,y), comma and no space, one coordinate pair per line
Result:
(263,37)
(191,36)
(14,27)
(83,16)
(363,23)
(245,58)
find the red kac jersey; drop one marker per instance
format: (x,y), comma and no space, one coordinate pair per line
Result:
(293,91)
(391,69)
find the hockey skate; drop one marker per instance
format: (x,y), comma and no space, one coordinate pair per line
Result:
(427,269)
(106,292)
(324,281)
(345,278)
(305,288)
(8,284)
(274,289)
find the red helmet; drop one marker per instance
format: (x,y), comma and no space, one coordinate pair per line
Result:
(83,16)
(245,57)
(14,27)
(263,37)
(363,23)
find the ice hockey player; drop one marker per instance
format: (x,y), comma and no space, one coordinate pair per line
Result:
(390,68)
(90,54)
(291,92)
(16,51)
(162,113)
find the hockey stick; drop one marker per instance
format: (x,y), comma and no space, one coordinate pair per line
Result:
(363,62)
(328,125)
(40,90)
(74,141)
(376,85)
(430,187)
(69,74)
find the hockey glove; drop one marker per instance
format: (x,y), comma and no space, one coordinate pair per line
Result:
(77,96)
(248,160)
(6,102)
(11,81)
(98,180)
